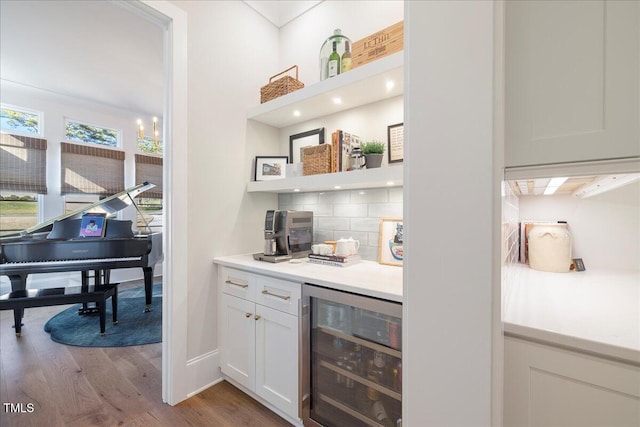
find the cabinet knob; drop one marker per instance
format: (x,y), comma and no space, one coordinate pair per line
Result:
(247,315)
(257,317)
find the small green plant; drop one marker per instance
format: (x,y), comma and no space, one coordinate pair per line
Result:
(372,147)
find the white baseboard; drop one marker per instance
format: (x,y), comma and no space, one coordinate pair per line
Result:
(203,372)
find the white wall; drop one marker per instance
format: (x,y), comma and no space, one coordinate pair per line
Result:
(449,214)
(230,47)
(368,122)
(302,38)
(605,228)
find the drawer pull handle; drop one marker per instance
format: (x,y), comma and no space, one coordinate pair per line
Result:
(247,315)
(266,292)
(257,317)
(229,282)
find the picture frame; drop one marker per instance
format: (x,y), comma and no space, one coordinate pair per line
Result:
(395,143)
(304,139)
(390,244)
(268,168)
(92,225)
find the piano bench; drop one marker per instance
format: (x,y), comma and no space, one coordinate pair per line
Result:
(29,298)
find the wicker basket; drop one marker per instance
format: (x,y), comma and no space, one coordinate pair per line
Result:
(316,159)
(281,86)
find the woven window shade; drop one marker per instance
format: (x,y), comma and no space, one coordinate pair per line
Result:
(149,169)
(91,170)
(23,164)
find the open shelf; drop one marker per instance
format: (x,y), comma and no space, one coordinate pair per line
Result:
(360,86)
(390,176)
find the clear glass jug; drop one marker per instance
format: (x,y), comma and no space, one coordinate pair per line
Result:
(327,49)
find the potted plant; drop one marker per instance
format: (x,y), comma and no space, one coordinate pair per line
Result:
(373,151)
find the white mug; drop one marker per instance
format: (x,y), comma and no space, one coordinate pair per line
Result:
(322,249)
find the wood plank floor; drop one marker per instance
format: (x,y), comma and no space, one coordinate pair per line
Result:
(51,384)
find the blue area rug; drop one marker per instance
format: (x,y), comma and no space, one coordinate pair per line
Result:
(135,327)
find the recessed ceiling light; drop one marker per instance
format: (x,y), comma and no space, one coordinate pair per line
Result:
(390,84)
(554,184)
(337,187)
(296,113)
(337,100)
(389,182)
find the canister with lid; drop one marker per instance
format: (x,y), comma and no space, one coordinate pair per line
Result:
(550,247)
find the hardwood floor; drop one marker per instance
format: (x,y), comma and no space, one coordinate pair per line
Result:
(43,383)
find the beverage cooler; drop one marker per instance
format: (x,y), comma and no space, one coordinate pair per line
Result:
(352,360)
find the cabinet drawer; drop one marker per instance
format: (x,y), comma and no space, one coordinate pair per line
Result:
(278,294)
(238,283)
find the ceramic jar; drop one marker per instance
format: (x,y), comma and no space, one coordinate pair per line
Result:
(550,248)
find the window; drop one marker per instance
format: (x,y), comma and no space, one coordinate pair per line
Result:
(82,132)
(23,175)
(149,169)
(20,120)
(74,202)
(91,170)
(150,214)
(149,145)
(18,211)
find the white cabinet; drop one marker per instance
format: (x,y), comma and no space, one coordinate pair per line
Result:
(370,83)
(572,81)
(549,386)
(259,337)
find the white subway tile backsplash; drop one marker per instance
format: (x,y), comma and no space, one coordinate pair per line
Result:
(395,195)
(365,224)
(319,210)
(320,236)
(350,210)
(369,253)
(285,199)
(333,223)
(333,197)
(304,198)
(354,213)
(375,195)
(381,210)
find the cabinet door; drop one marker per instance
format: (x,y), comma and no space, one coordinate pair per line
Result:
(572,77)
(277,359)
(548,386)
(237,336)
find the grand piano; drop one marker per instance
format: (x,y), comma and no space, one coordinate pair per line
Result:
(56,246)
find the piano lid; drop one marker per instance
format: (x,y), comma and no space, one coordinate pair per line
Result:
(109,205)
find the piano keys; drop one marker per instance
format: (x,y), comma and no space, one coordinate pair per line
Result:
(56,246)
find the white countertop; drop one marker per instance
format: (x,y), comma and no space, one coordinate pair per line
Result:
(365,277)
(596,311)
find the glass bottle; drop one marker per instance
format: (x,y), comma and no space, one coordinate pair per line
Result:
(345,61)
(327,49)
(333,66)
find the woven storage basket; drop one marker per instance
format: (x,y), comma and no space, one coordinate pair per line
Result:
(281,86)
(316,159)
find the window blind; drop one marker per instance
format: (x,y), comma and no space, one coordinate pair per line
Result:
(23,163)
(149,168)
(91,170)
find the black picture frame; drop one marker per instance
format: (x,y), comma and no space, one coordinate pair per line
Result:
(395,143)
(268,168)
(304,139)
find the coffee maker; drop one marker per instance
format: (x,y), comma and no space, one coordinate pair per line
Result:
(287,235)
